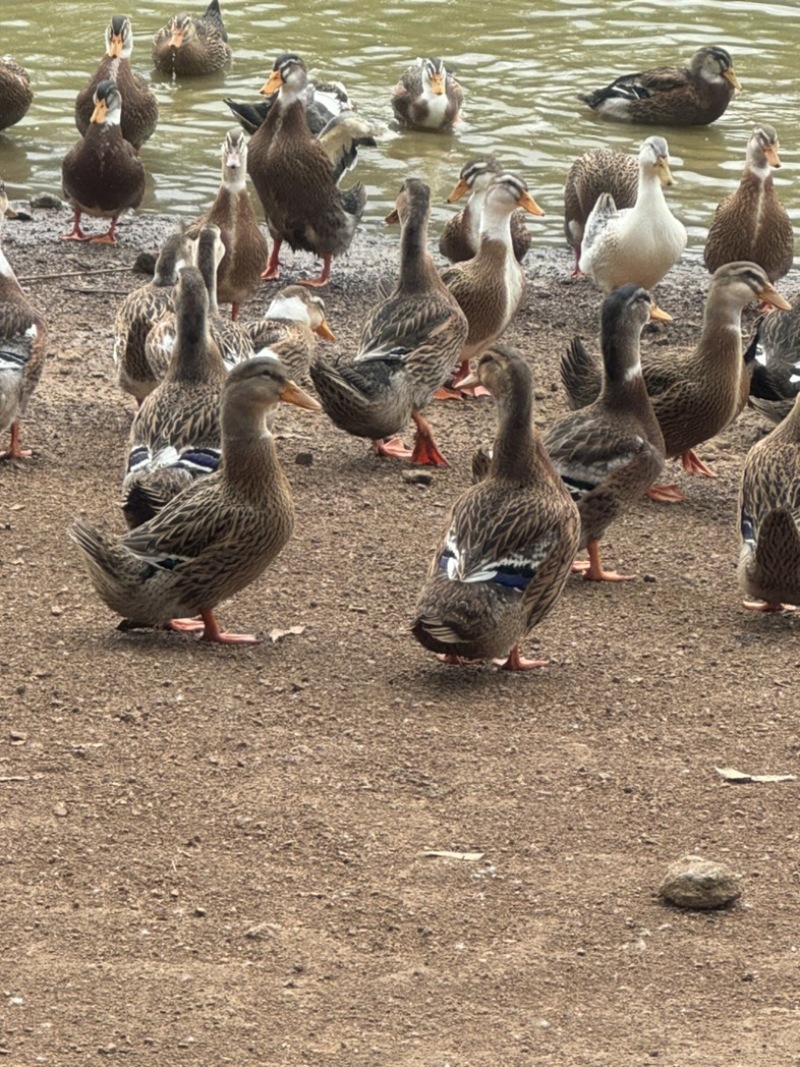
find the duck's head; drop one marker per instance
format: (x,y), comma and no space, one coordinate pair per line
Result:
(475,177)
(740,283)
(414,199)
(713,64)
(191,295)
(762,148)
(182,30)
(288,74)
(260,383)
(119,38)
(300,304)
(107,104)
(178,251)
(508,192)
(654,157)
(434,75)
(234,158)
(504,373)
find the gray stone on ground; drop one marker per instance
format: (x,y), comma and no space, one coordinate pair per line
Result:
(694,882)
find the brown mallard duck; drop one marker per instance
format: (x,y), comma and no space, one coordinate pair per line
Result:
(490,287)
(140,114)
(695,396)
(140,311)
(509,541)
(294,178)
(175,437)
(611,452)
(15,92)
(596,171)
(102,174)
(670,96)
(192,46)
(232,339)
(217,536)
(239,272)
(769,519)
(460,237)
(409,343)
(640,243)
(23,347)
(427,97)
(290,327)
(752,223)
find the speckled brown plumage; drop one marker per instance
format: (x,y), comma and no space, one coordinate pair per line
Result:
(15,92)
(427,97)
(460,236)
(192,46)
(596,171)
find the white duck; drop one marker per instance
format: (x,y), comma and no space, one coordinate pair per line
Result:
(638,244)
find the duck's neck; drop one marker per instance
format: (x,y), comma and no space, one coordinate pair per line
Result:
(250,457)
(417,271)
(622,368)
(473,210)
(495,224)
(515,456)
(650,194)
(208,268)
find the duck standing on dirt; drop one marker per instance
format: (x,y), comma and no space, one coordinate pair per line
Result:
(192,46)
(239,272)
(611,452)
(407,348)
(592,173)
(294,177)
(769,518)
(461,236)
(695,396)
(671,96)
(23,347)
(175,437)
(509,541)
(217,536)
(102,174)
(140,114)
(290,327)
(752,223)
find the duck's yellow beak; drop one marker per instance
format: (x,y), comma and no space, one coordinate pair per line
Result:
(176,40)
(658,314)
(272,84)
(392,218)
(473,378)
(770,295)
(527,203)
(324,331)
(100,111)
(729,76)
(115,45)
(461,189)
(437,84)
(664,173)
(771,153)
(293,394)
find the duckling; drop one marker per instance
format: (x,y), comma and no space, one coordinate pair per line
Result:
(239,272)
(695,396)
(232,339)
(769,519)
(294,177)
(175,437)
(219,534)
(460,237)
(15,92)
(290,327)
(509,541)
(192,46)
(671,96)
(611,452)
(140,114)
(23,347)
(427,97)
(140,311)
(408,345)
(638,244)
(752,223)
(102,174)
(490,287)
(592,173)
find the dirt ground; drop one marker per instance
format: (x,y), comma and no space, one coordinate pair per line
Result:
(215,855)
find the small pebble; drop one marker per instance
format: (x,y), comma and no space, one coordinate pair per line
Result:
(694,882)
(304,459)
